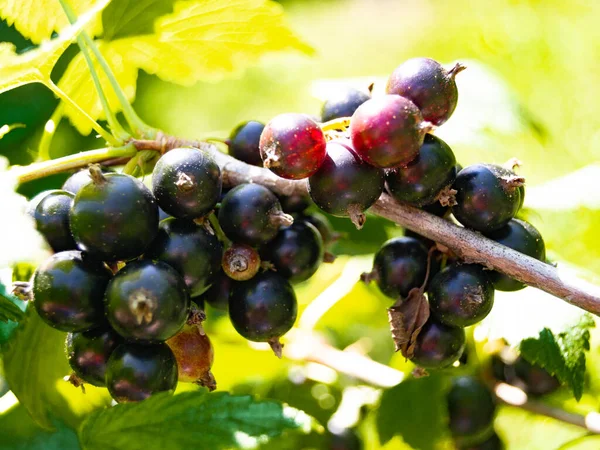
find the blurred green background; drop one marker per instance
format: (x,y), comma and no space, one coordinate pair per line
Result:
(531,91)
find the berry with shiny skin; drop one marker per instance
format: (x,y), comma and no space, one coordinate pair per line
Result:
(343,104)
(88,353)
(79,179)
(522,237)
(471,406)
(240,262)
(68,289)
(292,146)
(461,295)
(244,140)
(136,371)
(217,296)
(321,223)
(421,181)
(147,301)
(295,203)
(251,214)
(438,345)
(51,215)
(488,197)
(194,353)
(296,252)
(428,85)
(186,183)
(190,249)
(345,186)
(388,131)
(399,266)
(115,217)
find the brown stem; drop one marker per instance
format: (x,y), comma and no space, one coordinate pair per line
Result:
(357,216)
(458,68)
(280,219)
(276,346)
(328,257)
(96,174)
(208,381)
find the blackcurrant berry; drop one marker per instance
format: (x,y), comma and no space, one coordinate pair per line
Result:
(492,443)
(471,406)
(251,214)
(343,104)
(537,381)
(428,85)
(88,353)
(264,308)
(79,179)
(186,183)
(461,295)
(296,252)
(68,289)
(295,203)
(438,345)
(217,295)
(321,223)
(136,371)
(522,237)
(241,262)
(420,182)
(399,266)
(51,215)
(345,186)
(388,131)
(115,217)
(292,146)
(147,301)
(487,197)
(194,353)
(244,140)
(190,249)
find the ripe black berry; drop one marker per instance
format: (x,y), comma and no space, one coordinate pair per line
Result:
(243,142)
(147,301)
(240,262)
(471,406)
(190,249)
(321,223)
(428,85)
(399,266)
(388,131)
(186,183)
(264,308)
(438,345)
(88,353)
(487,197)
(136,371)
(536,380)
(68,289)
(79,179)
(51,215)
(115,217)
(296,252)
(461,295)
(343,104)
(295,203)
(292,146)
(194,353)
(420,182)
(345,186)
(217,295)
(522,237)
(251,214)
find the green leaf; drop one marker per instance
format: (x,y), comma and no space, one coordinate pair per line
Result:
(125,18)
(36,65)
(38,19)
(415,410)
(563,354)
(191,420)
(11,308)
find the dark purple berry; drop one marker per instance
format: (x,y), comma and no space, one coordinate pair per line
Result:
(295,203)
(536,380)
(438,345)
(388,131)
(244,140)
(522,237)
(186,183)
(147,301)
(115,217)
(345,186)
(251,214)
(68,289)
(136,371)
(422,180)
(51,215)
(321,223)
(292,146)
(88,353)
(471,407)
(190,249)
(428,85)
(218,294)
(461,295)
(240,262)
(488,197)
(343,104)
(79,179)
